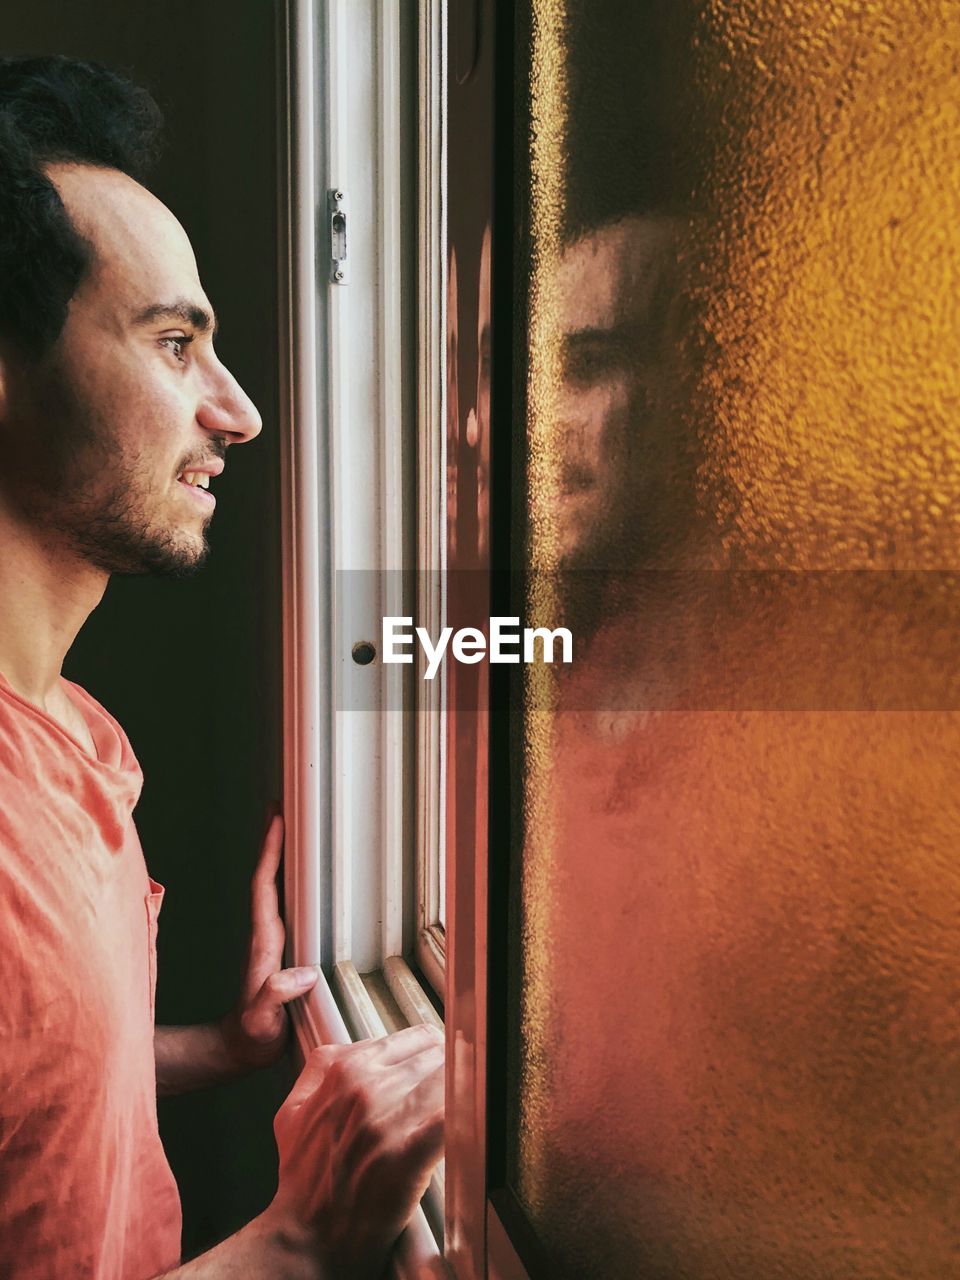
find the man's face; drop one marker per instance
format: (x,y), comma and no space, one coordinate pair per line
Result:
(98,435)
(483,399)
(611,291)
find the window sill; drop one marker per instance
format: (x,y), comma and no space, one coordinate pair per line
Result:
(431,956)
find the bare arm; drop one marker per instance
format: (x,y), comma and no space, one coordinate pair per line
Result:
(262,1248)
(192,1057)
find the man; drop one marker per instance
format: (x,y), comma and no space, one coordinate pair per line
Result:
(115,413)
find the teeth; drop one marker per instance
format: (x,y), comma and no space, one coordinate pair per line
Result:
(196,478)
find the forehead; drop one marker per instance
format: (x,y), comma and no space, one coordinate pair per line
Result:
(141,252)
(610,275)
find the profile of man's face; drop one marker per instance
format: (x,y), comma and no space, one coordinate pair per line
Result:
(614,289)
(99,432)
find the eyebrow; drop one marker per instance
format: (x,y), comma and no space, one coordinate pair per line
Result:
(580,339)
(634,341)
(181,309)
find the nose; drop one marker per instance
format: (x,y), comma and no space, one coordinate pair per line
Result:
(225,408)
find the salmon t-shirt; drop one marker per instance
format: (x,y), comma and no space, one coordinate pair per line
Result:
(85,1188)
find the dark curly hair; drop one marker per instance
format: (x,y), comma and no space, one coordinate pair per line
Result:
(58,109)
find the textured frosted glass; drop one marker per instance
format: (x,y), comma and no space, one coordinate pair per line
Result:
(737,1044)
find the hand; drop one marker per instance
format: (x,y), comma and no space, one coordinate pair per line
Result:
(255,1032)
(359,1136)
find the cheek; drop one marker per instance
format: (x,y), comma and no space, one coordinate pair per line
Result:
(595,414)
(54,430)
(129,391)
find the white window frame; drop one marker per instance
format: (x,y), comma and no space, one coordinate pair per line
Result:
(430,944)
(351,809)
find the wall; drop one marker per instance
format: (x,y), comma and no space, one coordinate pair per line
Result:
(192,669)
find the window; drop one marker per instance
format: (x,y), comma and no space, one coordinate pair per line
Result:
(352,760)
(677,1010)
(432,494)
(655,252)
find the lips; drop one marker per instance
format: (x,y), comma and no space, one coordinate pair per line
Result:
(196,478)
(212,467)
(198,494)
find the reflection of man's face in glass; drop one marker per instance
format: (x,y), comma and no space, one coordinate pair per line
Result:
(483,399)
(453,410)
(614,287)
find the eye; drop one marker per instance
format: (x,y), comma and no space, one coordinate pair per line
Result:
(589,361)
(177,343)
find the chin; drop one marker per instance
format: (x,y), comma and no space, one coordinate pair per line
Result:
(132,552)
(182,566)
(177,558)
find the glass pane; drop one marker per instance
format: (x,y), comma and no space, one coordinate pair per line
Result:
(737,1040)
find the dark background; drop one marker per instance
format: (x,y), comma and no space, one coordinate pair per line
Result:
(192,669)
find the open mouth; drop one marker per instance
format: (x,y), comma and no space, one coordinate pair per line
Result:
(198,482)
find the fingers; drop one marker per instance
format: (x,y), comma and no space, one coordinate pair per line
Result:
(358,1139)
(395,1048)
(263,1019)
(286,985)
(424,1115)
(389,1053)
(425,1104)
(267,932)
(268,864)
(411,1094)
(396,1111)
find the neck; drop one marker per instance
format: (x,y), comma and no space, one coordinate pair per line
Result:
(46,595)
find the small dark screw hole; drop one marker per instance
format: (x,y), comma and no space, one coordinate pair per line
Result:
(363,653)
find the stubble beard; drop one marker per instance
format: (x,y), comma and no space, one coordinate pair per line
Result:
(113,536)
(65,497)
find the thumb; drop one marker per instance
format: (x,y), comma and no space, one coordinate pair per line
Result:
(288,984)
(282,987)
(262,1018)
